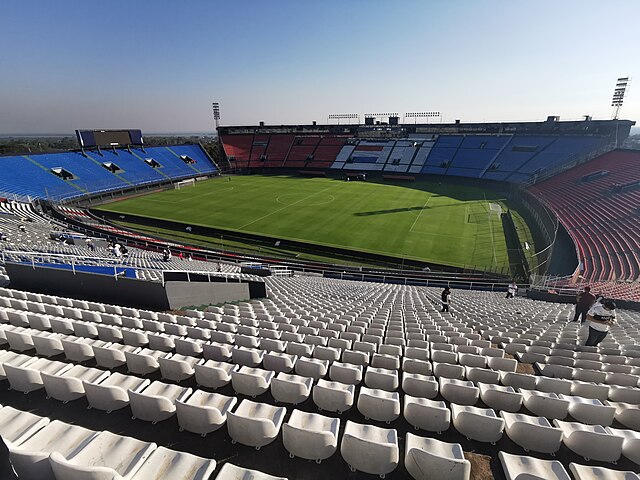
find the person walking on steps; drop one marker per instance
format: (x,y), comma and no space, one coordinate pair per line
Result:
(512,289)
(584,301)
(446,299)
(601,317)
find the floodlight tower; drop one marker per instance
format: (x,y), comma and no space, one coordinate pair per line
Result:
(618,99)
(216,114)
(618,95)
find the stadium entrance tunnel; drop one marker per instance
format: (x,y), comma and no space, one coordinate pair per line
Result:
(62,173)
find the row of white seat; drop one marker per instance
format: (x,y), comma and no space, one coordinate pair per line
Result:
(50,450)
(109,392)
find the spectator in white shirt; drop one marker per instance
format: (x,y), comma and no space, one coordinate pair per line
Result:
(601,316)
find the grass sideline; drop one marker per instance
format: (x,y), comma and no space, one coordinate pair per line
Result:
(444,223)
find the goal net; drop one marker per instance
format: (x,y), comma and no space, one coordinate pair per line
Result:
(185,183)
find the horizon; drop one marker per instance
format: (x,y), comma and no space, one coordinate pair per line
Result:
(119,64)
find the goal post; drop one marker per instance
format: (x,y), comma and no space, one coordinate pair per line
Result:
(185,183)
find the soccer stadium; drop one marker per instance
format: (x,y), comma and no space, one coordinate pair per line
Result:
(374,296)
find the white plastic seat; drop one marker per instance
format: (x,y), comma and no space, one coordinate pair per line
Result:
(47,344)
(106,454)
(27,376)
(447,370)
(518,467)
(251,381)
(310,436)
(113,392)
(388,362)
(459,391)
(630,444)
(112,355)
(482,375)
(244,356)
(414,365)
(587,472)
(279,362)
(419,385)
(589,410)
(191,347)
(333,396)
(291,389)
(19,339)
(427,458)
(500,398)
(532,433)
(591,441)
(481,424)
(157,401)
(178,367)
(624,394)
(378,404)
(502,364)
(143,361)
(547,405)
(346,373)
(381,378)
(553,385)
(355,357)
(165,463)
(219,352)
(214,374)
(370,449)
(30,458)
(17,426)
(230,471)
(518,380)
(471,360)
(426,414)
(203,412)
(312,367)
(590,390)
(627,414)
(68,384)
(255,424)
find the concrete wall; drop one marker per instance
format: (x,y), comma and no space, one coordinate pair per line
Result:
(184,294)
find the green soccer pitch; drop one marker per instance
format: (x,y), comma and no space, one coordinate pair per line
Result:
(443,223)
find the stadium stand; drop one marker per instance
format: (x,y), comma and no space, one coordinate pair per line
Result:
(602,218)
(32,176)
(548,394)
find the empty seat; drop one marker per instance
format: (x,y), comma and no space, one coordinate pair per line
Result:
(547,405)
(482,375)
(591,441)
(214,374)
(532,433)
(251,381)
(250,357)
(333,396)
(419,385)
(291,389)
(255,424)
(178,367)
(381,378)
(30,458)
(627,414)
(157,401)
(113,392)
(279,362)
(521,467)
(448,370)
(16,426)
(312,367)
(481,424)
(378,404)
(518,380)
(426,414)
(68,384)
(165,463)
(370,449)
(586,472)
(230,471)
(414,365)
(143,361)
(310,436)
(500,398)
(346,373)
(459,391)
(630,444)
(427,458)
(589,410)
(106,454)
(27,377)
(112,355)
(203,412)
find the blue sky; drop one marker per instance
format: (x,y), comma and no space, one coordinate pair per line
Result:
(158,64)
